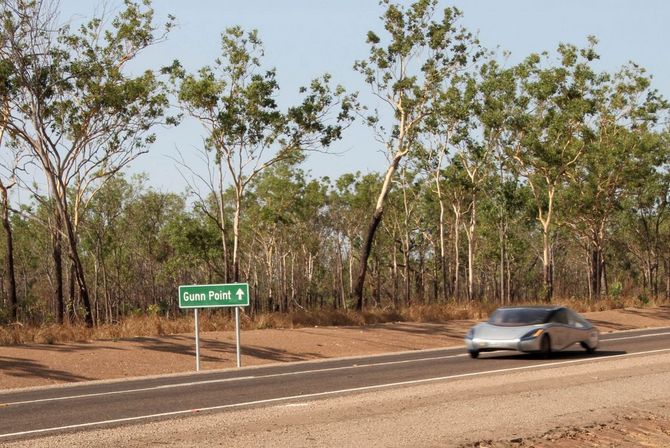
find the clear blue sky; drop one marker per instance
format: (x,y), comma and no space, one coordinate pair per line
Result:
(304,38)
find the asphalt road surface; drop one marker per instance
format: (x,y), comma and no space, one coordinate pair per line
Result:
(48,411)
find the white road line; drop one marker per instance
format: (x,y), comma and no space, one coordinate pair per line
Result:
(636,337)
(324,394)
(227,380)
(272,375)
(127,391)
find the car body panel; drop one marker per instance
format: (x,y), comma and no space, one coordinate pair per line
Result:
(563,326)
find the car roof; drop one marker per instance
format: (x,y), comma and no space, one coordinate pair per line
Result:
(534,307)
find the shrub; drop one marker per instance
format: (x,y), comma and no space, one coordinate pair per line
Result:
(643,299)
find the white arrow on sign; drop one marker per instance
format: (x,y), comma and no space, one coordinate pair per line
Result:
(240,294)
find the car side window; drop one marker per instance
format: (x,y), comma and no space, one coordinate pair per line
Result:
(560,317)
(577,321)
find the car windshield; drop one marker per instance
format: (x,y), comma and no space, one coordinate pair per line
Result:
(519,316)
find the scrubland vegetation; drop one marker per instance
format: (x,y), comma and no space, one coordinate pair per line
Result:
(144,325)
(543,181)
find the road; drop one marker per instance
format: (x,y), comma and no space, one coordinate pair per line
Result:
(48,411)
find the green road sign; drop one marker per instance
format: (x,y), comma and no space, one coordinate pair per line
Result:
(212,296)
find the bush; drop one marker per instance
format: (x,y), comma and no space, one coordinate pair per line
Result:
(643,299)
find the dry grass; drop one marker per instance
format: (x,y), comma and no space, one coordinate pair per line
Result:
(138,326)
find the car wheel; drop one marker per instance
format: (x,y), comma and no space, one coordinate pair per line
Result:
(473,353)
(545,346)
(587,347)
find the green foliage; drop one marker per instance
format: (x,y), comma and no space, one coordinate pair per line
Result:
(643,300)
(236,99)
(153,310)
(494,163)
(408,66)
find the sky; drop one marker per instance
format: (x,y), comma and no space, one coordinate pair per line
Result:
(305,38)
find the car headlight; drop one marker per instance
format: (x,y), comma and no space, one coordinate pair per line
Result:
(471,334)
(533,334)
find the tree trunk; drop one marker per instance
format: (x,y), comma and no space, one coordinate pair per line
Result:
(57,255)
(378,296)
(343,299)
(394,273)
(502,265)
(71,293)
(11,276)
(457,259)
(79,273)
(604,267)
(508,286)
(436,278)
(109,316)
(502,227)
(96,286)
(408,280)
(421,279)
(443,248)
(222,219)
(236,236)
(470,266)
(470,234)
(596,272)
(372,228)
(656,264)
(589,273)
(546,268)
(62,215)
(547,274)
(365,254)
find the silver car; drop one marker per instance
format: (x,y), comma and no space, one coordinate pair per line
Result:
(540,329)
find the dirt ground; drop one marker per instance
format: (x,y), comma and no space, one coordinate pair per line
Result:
(40,365)
(635,428)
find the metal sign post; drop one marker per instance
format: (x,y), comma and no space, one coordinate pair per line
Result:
(237,335)
(197,342)
(214,296)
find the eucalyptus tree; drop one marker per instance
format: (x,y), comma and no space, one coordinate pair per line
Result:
(234,100)
(402,225)
(149,244)
(458,189)
(406,69)
(282,203)
(9,163)
(474,154)
(626,146)
(350,201)
(432,154)
(194,248)
(496,98)
(6,183)
(105,235)
(444,135)
(77,110)
(34,277)
(554,105)
(644,216)
(208,188)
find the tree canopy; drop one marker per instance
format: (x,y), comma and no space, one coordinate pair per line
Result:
(505,183)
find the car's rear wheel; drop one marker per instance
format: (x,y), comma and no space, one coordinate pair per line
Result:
(545,346)
(473,353)
(587,347)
